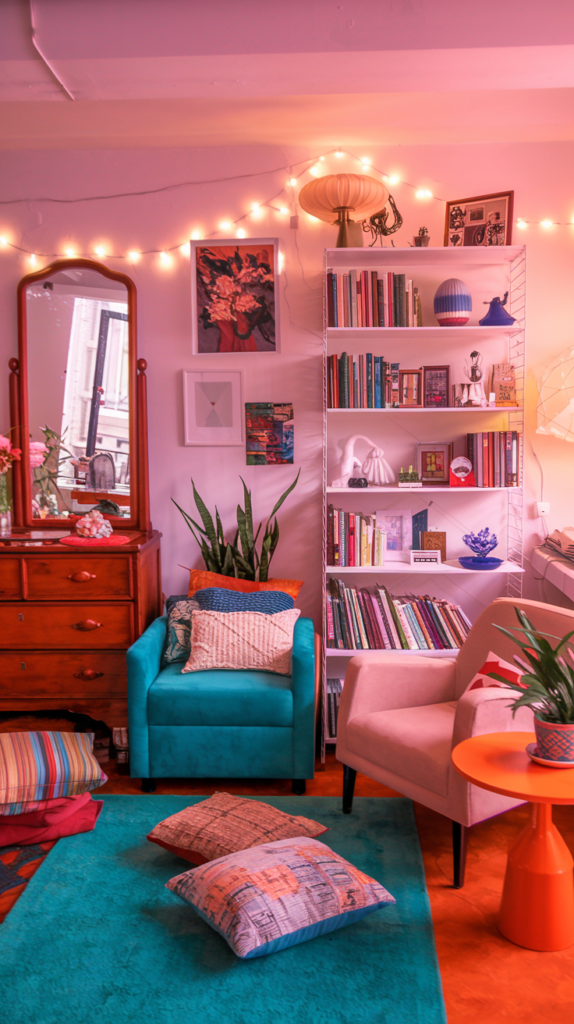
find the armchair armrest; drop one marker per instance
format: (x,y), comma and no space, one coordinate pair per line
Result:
(303,683)
(487,710)
(143,660)
(391,681)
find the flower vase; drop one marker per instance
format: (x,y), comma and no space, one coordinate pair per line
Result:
(5,507)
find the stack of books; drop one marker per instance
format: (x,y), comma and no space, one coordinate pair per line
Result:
(362,298)
(334,691)
(362,382)
(495,457)
(354,539)
(370,619)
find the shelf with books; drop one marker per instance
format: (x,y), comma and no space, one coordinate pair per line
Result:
(487,273)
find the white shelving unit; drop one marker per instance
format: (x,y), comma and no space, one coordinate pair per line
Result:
(487,272)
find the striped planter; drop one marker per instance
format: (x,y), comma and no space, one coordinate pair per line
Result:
(555,740)
(452,303)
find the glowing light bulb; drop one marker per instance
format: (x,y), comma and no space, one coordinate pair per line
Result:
(225,225)
(521,224)
(284,211)
(32,258)
(366,162)
(100,251)
(314,171)
(165,258)
(393,179)
(546,224)
(292,181)
(134,256)
(3,240)
(184,249)
(321,158)
(255,207)
(196,235)
(69,253)
(423,193)
(339,152)
(241,232)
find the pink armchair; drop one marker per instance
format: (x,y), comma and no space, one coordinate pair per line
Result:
(401,715)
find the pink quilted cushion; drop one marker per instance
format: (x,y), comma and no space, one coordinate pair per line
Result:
(494,664)
(242,640)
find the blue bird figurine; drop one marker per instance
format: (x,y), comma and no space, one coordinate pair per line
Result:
(497,315)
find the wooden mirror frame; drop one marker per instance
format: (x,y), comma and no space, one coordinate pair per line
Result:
(19,416)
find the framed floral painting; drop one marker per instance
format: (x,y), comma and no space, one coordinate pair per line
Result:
(235,295)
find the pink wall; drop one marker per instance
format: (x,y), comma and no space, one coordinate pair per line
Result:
(540,175)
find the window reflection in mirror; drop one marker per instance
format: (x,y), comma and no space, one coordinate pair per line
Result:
(78,393)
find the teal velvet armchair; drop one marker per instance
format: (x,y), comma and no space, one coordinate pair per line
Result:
(221,723)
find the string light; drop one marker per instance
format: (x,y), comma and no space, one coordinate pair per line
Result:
(255,207)
(423,193)
(284,211)
(134,256)
(70,253)
(195,235)
(546,224)
(314,171)
(225,225)
(339,153)
(100,251)
(184,249)
(32,258)
(3,240)
(365,161)
(165,259)
(521,224)
(393,179)
(241,232)
(292,182)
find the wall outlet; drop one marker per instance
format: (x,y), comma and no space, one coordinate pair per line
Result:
(542,508)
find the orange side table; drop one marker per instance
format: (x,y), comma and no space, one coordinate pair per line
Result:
(537,907)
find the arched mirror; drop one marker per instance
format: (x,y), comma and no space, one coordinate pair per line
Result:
(77,397)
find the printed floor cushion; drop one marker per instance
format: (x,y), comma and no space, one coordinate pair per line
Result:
(67,816)
(179,609)
(199,579)
(216,599)
(483,678)
(277,895)
(225,824)
(36,767)
(242,640)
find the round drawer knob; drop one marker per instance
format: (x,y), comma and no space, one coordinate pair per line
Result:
(81,577)
(88,674)
(87,625)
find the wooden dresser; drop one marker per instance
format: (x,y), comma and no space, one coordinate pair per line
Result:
(67,617)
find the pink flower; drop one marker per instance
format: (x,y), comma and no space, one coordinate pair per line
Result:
(220,309)
(225,287)
(246,303)
(5,443)
(38,452)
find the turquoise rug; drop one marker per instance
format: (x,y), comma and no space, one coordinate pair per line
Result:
(97,938)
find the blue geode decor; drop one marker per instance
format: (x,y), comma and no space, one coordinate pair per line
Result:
(482,543)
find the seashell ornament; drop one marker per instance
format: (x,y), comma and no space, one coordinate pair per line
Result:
(376,469)
(94,525)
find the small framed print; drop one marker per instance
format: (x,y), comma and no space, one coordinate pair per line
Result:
(433,462)
(235,295)
(435,540)
(213,407)
(481,220)
(410,389)
(436,386)
(397,524)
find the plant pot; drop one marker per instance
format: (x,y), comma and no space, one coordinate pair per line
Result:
(476,562)
(555,740)
(421,240)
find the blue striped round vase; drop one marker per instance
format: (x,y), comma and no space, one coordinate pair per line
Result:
(452,303)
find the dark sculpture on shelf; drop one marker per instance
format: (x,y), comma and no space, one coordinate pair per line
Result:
(497,316)
(377,222)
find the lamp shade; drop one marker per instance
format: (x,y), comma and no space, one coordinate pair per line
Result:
(556,403)
(326,197)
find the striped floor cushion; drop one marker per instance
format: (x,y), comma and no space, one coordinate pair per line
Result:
(36,767)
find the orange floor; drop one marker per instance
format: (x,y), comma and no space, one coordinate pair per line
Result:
(485,978)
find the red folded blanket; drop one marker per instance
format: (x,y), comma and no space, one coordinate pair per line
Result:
(65,816)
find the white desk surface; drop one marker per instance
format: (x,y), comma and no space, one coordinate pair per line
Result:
(558,571)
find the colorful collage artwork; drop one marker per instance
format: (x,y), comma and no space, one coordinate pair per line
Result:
(269,433)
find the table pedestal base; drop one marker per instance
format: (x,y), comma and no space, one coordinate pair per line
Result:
(537,908)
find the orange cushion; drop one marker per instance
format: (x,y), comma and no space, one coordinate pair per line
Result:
(199,579)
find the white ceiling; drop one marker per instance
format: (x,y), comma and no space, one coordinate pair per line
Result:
(124,73)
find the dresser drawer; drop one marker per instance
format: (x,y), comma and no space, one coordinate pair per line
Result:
(10,579)
(80,625)
(53,674)
(78,577)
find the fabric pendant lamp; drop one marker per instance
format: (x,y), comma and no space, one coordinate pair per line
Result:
(555,410)
(334,197)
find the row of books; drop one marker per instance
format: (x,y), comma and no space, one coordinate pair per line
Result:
(365,382)
(363,298)
(495,457)
(371,619)
(354,539)
(334,691)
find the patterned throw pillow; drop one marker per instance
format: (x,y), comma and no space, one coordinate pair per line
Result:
(216,599)
(178,636)
(493,663)
(277,895)
(36,767)
(199,579)
(225,824)
(242,640)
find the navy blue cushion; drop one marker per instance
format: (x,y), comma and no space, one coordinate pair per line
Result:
(216,599)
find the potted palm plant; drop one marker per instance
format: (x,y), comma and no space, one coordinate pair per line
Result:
(546,686)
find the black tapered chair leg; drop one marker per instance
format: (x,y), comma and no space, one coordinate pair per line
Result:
(298,786)
(349,776)
(148,785)
(459,846)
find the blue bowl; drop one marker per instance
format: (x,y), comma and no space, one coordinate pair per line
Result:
(475,562)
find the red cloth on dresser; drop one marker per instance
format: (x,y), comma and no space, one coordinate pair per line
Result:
(66,816)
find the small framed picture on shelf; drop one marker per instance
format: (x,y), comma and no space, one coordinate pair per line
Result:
(435,540)
(433,462)
(397,524)
(481,220)
(436,386)
(410,389)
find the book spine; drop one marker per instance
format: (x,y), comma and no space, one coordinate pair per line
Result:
(392,635)
(450,637)
(390,298)
(437,624)
(485,459)
(369,380)
(380,623)
(366,619)
(375,298)
(377,369)
(354,313)
(345,627)
(400,633)
(345,295)
(330,626)
(359,618)
(369,611)
(401,299)
(342,539)
(405,626)
(340,301)
(436,642)
(416,627)
(353,629)
(381,303)
(336,546)
(330,296)
(330,536)
(422,624)
(335,382)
